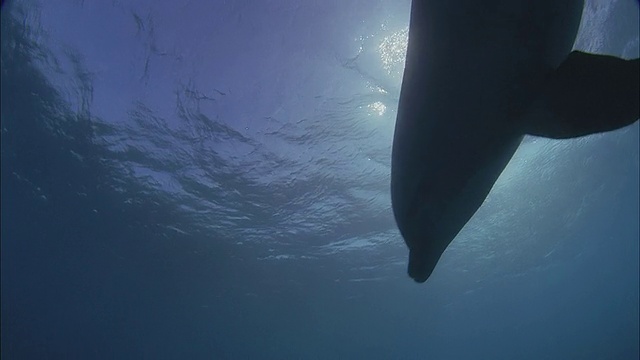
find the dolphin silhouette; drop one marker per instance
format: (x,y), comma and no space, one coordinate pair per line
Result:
(478,76)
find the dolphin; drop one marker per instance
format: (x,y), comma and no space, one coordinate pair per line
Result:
(478,76)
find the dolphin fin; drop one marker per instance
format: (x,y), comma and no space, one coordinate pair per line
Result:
(587,94)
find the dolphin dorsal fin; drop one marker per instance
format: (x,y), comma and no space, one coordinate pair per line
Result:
(587,94)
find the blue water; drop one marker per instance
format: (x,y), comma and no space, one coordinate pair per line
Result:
(209,180)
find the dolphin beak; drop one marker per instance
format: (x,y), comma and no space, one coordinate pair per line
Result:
(420,268)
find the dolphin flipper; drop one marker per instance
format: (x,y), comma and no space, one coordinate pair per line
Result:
(587,94)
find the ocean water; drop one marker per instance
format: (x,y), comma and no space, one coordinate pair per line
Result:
(210,180)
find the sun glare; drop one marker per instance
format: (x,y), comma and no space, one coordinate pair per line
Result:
(393,49)
(377,108)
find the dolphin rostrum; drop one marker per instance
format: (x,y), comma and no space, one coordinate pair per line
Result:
(478,76)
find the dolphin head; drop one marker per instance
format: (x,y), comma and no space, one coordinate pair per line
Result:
(424,237)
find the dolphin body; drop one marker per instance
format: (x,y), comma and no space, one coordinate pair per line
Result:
(478,76)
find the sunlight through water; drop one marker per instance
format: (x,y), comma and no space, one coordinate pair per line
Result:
(393,49)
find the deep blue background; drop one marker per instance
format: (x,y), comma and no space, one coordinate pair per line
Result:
(210,180)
